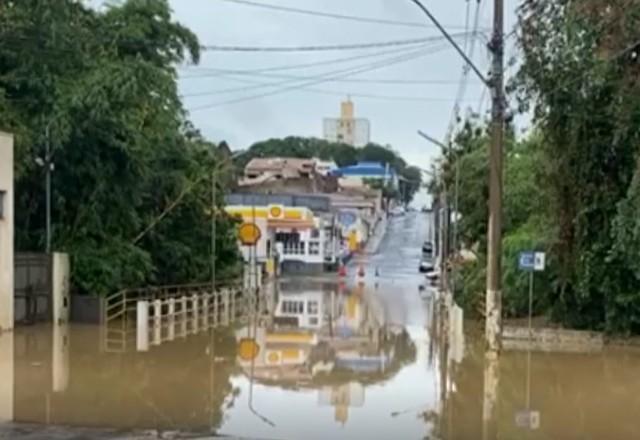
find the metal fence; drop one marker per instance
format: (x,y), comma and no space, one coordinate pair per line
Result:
(33,288)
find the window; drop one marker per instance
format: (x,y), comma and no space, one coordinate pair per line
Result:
(315,233)
(2,199)
(295,307)
(312,307)
(313,321)
(314,248)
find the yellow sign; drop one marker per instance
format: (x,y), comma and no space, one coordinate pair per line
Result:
(275,211)
(249,234)
(248,349)
(353,241)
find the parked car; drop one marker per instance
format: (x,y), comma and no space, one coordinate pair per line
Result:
(433,277)
(397,211)
(427,249)
(426,265)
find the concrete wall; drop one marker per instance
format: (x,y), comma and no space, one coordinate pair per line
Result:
(60,284)
(6,232)
(86,309)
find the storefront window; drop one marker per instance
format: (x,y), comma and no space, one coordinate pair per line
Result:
(314,248)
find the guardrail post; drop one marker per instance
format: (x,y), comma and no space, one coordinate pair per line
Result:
(157,322)
(142,326)
(216,312)
(227,309)
(205,311)
(172,319)
(195,314)
(183,322)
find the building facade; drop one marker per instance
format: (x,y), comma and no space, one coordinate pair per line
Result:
(347,129)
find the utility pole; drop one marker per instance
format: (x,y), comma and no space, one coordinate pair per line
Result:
(493,320)
(214,185)
(493,323)
(49,165)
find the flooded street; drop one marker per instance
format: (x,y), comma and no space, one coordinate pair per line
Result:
(328,360)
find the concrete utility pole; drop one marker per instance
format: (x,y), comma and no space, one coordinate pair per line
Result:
(493,323)
(493,320)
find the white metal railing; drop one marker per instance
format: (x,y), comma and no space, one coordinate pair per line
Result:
(294,249)
(120,308)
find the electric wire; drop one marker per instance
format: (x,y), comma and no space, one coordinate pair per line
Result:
(321,79)
(316,13)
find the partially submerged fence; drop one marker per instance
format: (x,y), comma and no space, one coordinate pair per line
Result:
(152,316)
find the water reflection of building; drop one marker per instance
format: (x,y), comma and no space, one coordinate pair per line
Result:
(6,377)
(342,397)
(318,336)
(275,354)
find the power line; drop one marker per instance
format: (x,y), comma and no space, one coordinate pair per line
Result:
(410,41)
(309,64)
(462,88)
(259,84)
(288,80)
(315,13)
(321,79)
(451,40)
(396,81)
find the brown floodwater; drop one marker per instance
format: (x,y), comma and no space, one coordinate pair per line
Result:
(376,364)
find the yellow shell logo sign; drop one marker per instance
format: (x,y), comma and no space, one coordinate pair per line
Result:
(273,357)
(249,234)
(275,212)
(248,349)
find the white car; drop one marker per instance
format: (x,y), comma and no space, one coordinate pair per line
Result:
(398,211)
(426,265)
(433,277)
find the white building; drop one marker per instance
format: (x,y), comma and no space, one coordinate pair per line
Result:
(6,232)
(304,310)
(347,129)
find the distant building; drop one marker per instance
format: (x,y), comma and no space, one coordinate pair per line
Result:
(287,174)
(369,170)
(347,129)
(325,167)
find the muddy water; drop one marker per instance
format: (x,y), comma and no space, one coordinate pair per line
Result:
(367,370)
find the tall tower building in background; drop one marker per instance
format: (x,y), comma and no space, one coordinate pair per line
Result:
(347,128)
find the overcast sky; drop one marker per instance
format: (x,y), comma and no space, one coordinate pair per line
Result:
(300,112)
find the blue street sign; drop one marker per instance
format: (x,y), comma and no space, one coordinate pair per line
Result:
(527,260)
(531,261)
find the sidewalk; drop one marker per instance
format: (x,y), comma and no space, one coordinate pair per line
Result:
(19,431)
(379,232)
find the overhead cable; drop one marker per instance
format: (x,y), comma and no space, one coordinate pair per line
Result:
(316,13)
(320,79)
(222,48)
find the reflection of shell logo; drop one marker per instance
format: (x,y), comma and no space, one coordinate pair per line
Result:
(275,212)
(248,349)
(273,357)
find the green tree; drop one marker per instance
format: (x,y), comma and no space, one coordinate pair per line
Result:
(101,88)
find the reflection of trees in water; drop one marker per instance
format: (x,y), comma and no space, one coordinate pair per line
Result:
(183,385)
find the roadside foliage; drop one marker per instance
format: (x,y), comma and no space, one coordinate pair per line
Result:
(101,88)
(572,182)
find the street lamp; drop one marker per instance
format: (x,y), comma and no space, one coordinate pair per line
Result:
(46,162)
